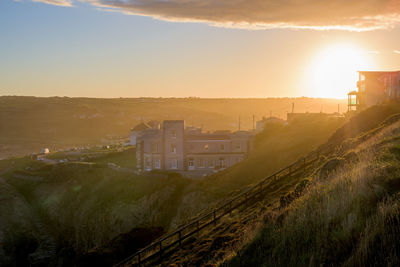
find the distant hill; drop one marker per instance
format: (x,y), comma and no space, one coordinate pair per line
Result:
(28,124)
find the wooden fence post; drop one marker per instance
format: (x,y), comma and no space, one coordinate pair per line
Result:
(215,221)
(160,250)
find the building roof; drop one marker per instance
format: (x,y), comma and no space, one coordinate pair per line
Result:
(353,93)
(271,119)
(173,121)
(379,72)
(207,137)
(141,127)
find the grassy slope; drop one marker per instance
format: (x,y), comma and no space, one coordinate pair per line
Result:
(212,247)
(349,219)
(86,206)
(125,157)
(275,148)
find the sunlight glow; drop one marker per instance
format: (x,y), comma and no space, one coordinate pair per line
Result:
(333,72)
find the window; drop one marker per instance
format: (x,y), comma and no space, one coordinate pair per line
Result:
(206,147)
(173,148)
(147,163)
(238,146)
(173,134)
(157,164)
(201,163)
(222,147)
(211,163)
(191,162)
(174,164)
(222,162)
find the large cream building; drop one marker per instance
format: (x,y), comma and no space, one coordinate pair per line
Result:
(176,148)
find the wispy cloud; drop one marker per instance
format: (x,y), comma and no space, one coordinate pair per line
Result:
(56,2)
(396,52)
(356,15)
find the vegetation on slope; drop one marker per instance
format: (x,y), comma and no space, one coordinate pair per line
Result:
(85,205)
(349,217)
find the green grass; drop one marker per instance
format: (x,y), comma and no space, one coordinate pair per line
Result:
(126,158)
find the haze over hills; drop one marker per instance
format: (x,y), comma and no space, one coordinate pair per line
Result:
(101,202)
(199,133)
(106,209)
(28,124)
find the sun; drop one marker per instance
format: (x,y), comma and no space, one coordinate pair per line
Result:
(333,72)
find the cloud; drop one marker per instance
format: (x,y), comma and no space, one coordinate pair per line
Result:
(261,14)
(56,2)
(396,51)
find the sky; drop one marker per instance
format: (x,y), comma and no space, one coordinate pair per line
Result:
(199,48)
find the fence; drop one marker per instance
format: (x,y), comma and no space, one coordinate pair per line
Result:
(171,240)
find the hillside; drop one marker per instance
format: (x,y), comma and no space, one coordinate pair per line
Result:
(81,207)
(347,217)
(27,124)
(344,211)
(88,210)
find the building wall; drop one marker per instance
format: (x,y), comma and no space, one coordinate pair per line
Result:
(374,90)
(133,136)
(173,135)
(376,87)
(149,148)
(207,146)
(153,151)
(170,149)
(212,162)
(393,91)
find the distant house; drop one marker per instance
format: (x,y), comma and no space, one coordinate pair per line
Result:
(260,125)
(374,87)
(139,129)
(45,151)
(154,124)
(189,150)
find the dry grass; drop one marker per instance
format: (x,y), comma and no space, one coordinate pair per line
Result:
(349,219)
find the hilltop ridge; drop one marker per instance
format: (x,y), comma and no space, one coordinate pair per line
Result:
(29,124)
